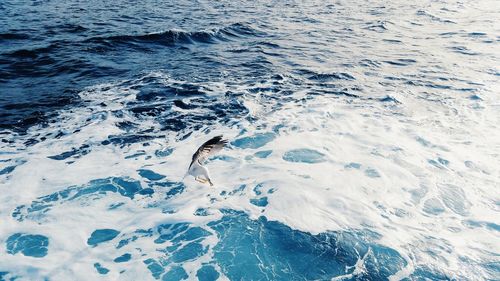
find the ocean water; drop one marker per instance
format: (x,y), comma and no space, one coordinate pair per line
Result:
(364,140)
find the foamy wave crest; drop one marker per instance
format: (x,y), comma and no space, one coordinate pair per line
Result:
(316,188)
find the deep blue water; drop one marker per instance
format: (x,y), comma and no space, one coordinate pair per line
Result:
(95,96)
(51,50)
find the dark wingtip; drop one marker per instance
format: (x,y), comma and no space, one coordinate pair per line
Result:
(215,140)
(220,139)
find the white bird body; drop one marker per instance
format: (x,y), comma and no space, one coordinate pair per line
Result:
(196,170)
(209,148)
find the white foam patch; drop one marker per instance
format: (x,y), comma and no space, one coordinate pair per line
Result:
(376,173)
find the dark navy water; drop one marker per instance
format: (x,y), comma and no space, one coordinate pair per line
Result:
(363,140)
(52,50)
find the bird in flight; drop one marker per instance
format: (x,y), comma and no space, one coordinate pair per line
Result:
(206,150)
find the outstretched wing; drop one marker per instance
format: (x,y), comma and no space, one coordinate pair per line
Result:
(208,149)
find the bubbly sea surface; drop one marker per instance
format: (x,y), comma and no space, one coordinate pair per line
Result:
(364,140)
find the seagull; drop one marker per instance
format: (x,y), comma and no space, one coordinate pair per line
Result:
(209,148)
